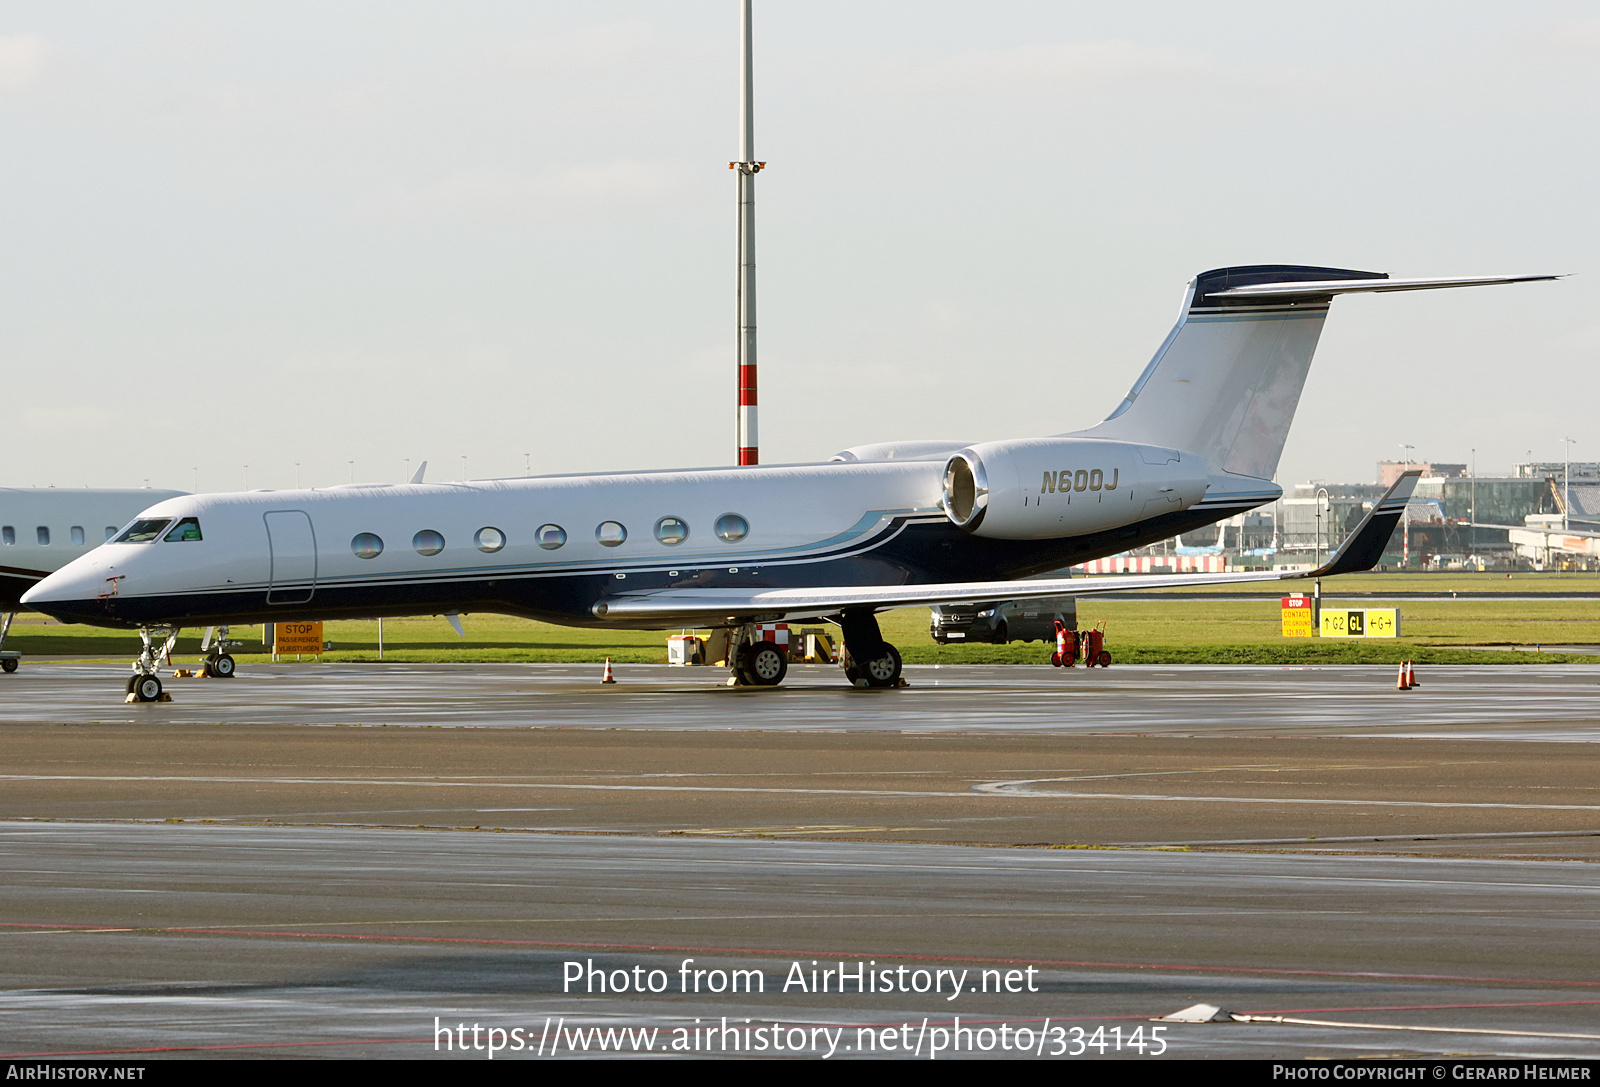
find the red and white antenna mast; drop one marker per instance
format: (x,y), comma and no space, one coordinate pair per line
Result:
(747,169)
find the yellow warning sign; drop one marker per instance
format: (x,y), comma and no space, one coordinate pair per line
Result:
(1361,622)
(1297,617)
(297,638)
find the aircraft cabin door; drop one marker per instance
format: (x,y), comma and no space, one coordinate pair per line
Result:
(293,546)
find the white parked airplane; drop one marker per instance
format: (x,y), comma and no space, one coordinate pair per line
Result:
(1196,439)
(44,528)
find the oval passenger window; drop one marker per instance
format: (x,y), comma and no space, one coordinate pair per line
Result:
(428,542)
(366,545)
(672,530)
(731,528)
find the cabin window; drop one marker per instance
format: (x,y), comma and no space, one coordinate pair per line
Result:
(610,533)
(143,530)
(672,530)
(489,540)
(551,537)
(366,545)
(731,528)
(185,531)
(111,530)
(77,536)
(8,535)
(44,536)
(428,542)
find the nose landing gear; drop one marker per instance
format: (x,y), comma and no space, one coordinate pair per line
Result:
(144,685)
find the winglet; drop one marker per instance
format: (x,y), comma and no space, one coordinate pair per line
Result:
(1365,546)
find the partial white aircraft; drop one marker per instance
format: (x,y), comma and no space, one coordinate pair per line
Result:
(1196,439)
(44,528)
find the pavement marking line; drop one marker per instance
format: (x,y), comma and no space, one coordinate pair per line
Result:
(1018,788)
(1435,1007)
(1001,788)
(1396,1026)
(202,1048)
(456,784)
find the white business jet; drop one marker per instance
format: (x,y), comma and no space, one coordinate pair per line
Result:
(44,528)
(1197,439)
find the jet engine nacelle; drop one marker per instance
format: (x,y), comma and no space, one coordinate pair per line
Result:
(1047,488)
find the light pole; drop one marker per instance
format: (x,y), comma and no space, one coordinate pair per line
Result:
(1316,587)
(748,168)
(1321,499)
(1566,481)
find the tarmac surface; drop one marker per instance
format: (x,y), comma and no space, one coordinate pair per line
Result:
(318,860)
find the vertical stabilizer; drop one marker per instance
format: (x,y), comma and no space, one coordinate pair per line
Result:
(1227,380)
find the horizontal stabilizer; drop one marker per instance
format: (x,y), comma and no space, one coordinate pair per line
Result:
(1360,551)
(1329,287)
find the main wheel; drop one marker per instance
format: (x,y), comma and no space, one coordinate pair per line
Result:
(128,686)
(882,671)
(9,664)
(221,666)
(764,664)
(147,688)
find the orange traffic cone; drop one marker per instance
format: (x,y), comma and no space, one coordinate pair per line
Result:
(1411,676)
(608,677)
(1400,683)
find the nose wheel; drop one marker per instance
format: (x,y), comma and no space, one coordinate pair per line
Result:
(144,688)
(144,685)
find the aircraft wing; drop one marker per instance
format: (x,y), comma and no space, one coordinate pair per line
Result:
(1360,551)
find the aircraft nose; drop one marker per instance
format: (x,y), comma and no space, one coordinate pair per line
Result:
(72,594)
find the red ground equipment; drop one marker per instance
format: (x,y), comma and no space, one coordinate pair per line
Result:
(1066,654)
(1094,647)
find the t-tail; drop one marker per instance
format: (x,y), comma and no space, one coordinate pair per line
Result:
(1227,379)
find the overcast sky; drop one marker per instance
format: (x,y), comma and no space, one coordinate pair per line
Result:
(263,233)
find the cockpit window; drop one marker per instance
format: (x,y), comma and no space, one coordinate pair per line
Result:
(143,530)
(184,531)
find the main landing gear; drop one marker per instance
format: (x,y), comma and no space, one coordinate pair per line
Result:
(754,661)
(218,664)
(144,685)
(868,660)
